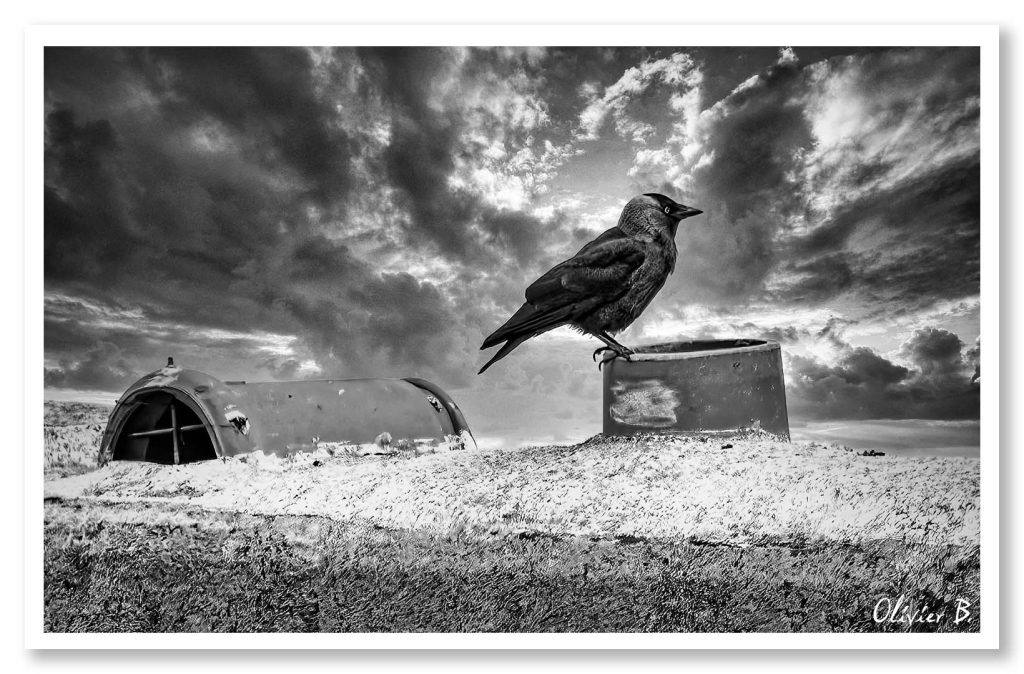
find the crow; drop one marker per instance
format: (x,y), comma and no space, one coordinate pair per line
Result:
(604,287)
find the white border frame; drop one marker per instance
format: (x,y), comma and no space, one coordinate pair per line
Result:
(984,36)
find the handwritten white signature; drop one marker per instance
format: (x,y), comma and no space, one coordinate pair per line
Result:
(900,611)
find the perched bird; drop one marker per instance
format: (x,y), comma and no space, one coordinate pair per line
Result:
(607,284)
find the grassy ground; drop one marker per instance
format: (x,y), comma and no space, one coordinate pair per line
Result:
(648,534)
(66,413)
(166,569)
(71,437)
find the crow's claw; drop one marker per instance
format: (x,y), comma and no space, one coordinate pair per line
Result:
(623,353)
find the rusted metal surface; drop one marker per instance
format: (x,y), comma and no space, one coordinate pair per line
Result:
(716,386)
(300,415)
(159,417)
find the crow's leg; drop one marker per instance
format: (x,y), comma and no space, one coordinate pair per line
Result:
(620,350)
(612,345)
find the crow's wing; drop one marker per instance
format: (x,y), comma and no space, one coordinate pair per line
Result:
(598,274)
(600,270)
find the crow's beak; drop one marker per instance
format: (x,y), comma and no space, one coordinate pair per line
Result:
(681,212)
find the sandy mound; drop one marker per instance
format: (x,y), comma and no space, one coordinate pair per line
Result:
(741,491)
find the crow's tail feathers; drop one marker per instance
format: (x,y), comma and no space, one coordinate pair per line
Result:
(504,351)
(513,327)
(525,323)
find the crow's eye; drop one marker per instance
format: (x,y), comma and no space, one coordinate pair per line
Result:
(668,209)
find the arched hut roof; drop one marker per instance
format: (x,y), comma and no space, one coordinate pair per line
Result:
(177,415)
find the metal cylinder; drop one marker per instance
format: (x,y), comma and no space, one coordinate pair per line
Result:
(711,386)
(174,415)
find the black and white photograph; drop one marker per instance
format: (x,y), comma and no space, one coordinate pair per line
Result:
(619,339)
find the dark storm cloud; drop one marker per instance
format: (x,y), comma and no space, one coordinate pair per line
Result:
(831,332)
(72,331)
(937,352)
(145,205)
(863,384)
(358,319)
(143,227)
(182,189)
(745,186)
(418,325)
(759,128)
(103,367)
(782,334)
(928,243)
(567,68)
(84,224)
(897,170)
(973,358)
(820,278)
(421,154)
(520,233)
(727,67)
(427,138)
(863,366)
(908,218)
(265,94)
(75,330)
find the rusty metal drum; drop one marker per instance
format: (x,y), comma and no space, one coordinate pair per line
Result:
(724,386)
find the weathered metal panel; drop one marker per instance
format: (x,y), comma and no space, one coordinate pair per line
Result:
(718,386)
(276,417)
(299,415)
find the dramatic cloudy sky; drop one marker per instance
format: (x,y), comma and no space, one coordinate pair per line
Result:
(292,213)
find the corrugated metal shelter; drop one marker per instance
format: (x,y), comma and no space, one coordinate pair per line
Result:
(175,415)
